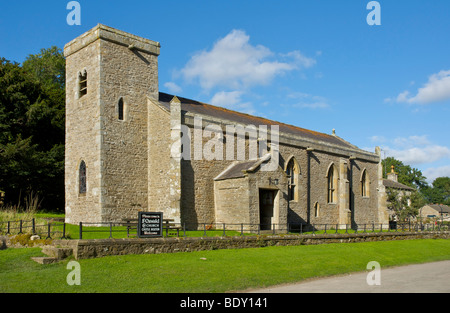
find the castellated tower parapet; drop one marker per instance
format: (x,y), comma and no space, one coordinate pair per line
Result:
(110,75)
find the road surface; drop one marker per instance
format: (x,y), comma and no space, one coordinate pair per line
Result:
(419,278)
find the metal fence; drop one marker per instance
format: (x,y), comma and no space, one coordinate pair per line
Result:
(49,230)
(104,228)
(246,229)
(98,230)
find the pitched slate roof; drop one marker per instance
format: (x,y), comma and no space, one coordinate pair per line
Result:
(238,168)
(438,207)
(197,107)
(393,184)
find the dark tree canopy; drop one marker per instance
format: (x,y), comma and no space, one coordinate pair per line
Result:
(32,121)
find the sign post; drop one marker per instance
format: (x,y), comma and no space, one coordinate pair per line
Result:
(150,224)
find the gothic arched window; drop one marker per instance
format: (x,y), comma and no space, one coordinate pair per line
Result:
(293,171)
(316,209)
(332,178)
(365,184)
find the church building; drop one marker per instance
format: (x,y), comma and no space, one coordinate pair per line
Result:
(131,148)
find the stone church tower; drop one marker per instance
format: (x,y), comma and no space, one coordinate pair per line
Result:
(110,75)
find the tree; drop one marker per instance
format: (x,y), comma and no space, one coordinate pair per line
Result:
(404,206)
(32,121)
(417,201)
(439,192)
(398,203)
(408,176)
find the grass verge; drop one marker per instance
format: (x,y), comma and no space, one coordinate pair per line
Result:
(211,271)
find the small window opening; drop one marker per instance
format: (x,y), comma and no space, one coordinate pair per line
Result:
(82,178)
(120,110)
(82,83)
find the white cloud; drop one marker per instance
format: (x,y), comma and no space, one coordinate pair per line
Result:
(172,87)
(304,100)
(234,63)
(419,155)
(411,141)
(232,100)
(437,89)
(378,139)
(432,173)
(224,98)
(300,59)
(415,151)
(403,97)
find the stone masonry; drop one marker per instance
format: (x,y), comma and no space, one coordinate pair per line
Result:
(134,163)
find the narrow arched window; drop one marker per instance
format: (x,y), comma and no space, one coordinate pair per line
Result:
(316,209)
(293,171)
(332,184)
(365,182)
(82,81)
(120,110)
(82,178)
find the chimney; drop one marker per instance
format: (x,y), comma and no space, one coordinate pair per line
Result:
(392,175)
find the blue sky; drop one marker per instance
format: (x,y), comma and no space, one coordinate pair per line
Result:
(316,64)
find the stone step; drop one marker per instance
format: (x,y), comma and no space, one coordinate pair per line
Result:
(57,253)
(44,260)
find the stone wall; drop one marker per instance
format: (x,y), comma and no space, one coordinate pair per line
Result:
(130,75)
(197,199)
(118,66)
(312,187)
(83,136)
(158,157)
(85,249)
(232,201)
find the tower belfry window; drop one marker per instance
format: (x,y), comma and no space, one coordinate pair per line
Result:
(82,78)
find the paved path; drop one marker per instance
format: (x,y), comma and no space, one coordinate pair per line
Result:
(420,278)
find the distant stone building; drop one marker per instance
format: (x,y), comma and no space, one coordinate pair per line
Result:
(392,182)
(440,212)
(131,148)
(403,190)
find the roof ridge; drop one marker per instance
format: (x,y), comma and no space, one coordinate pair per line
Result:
(259,117)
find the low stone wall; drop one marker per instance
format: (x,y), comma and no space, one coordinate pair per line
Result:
(84,249)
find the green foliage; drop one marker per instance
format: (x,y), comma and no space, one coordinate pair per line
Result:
(397,203)
(440,191)
(404,206)
(32,121)
(407,175)
(417,201)
(25,241)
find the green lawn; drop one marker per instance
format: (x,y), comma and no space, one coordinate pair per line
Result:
(211,271)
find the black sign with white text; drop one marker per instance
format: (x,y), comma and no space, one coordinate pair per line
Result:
(150,224)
